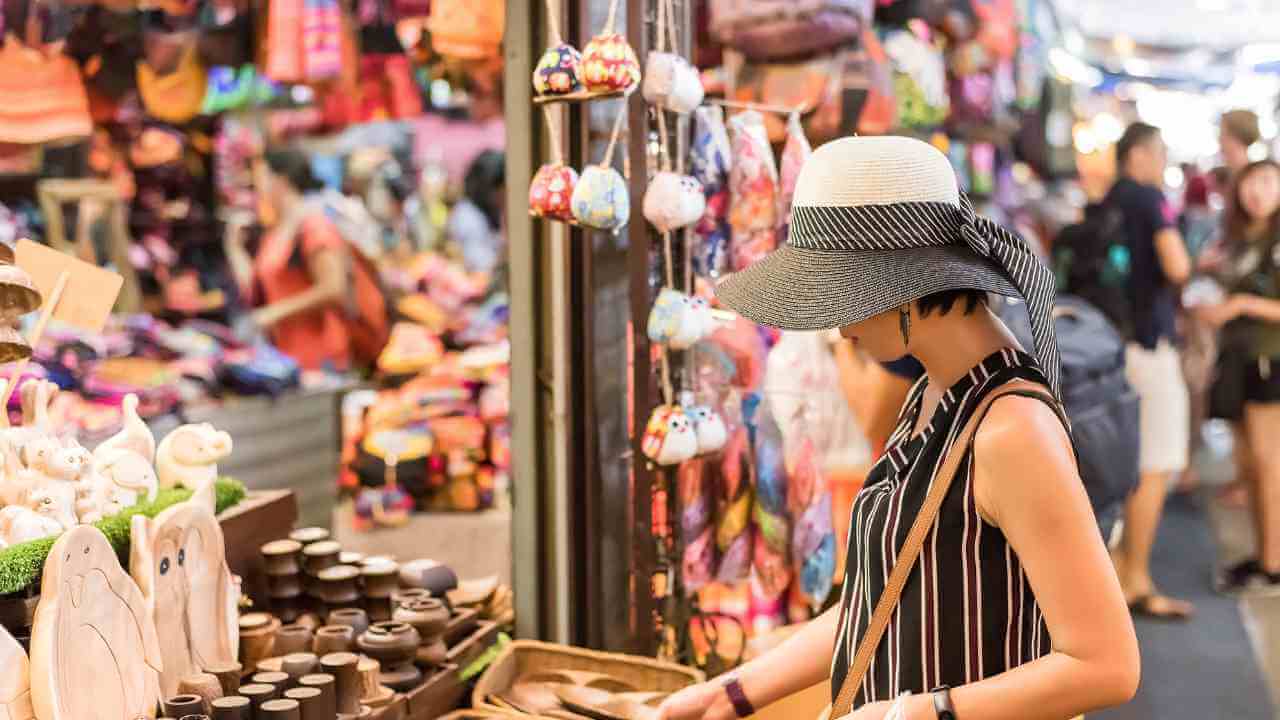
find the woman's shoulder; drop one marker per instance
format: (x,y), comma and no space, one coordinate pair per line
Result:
(1021,431)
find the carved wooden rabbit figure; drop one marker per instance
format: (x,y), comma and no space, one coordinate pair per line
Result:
(188,457)
(15,673)
(135,435)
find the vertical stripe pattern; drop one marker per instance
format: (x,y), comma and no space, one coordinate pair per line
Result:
(967,611)
(904,225)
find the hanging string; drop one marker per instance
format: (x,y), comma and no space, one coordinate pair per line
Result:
(553,22)
(553,127)
(661,44)
(613,14)
(617,130)
(671,23)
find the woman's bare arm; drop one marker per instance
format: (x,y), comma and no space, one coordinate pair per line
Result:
(327,268)
(800,662)
(1027,484)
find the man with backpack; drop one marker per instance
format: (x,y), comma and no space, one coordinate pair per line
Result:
(1157,265)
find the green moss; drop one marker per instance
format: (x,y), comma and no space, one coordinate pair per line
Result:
(20,565)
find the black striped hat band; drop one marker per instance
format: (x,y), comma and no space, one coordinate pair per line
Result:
(905,225)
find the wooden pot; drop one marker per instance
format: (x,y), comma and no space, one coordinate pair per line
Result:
(381,580)
(337,586)
(293,639)
(281,557)
(308,535)
(257,638)
(320,555)
(428,616)
(334,638)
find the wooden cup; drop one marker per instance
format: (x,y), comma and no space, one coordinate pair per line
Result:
(310,701)
(327,703)
(281,709)
(180,705)
(344,667)
(232,707)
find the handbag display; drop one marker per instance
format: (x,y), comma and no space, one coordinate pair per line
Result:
(779,29)
(848,92)
(670,81)
(914,542)
(600,199)
(609,64)
(175,97)
(467,29)
(42,96)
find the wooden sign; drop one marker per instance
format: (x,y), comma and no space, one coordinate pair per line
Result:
(90,291)
(94,651)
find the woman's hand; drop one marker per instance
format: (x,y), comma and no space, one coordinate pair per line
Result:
(704,701)
(871,711)
(1223,313)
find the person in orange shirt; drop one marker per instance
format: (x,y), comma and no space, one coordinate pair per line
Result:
(299,277)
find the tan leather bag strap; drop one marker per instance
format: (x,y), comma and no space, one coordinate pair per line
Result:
(915,541)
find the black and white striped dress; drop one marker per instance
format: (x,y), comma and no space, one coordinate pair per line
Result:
(967,611)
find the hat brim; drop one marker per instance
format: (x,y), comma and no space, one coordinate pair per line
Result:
(807,289)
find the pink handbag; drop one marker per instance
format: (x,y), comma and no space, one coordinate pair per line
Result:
(776,29)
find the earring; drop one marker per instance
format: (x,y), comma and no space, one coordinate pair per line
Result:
(904,324)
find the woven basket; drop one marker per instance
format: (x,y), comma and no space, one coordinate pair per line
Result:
(522,657)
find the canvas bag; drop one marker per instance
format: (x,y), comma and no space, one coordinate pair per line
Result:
(778,29)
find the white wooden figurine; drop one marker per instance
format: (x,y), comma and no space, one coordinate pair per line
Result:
(188,457)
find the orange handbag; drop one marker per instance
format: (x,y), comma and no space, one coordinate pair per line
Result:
(178,96)
(42,96)
(467,29)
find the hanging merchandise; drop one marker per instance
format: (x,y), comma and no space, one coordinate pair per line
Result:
(678,320)
(175,95)
(879,111)
(982,169)
(919,80)
(709,161)
(559,70)
(710,427)
(753,188)
(733,509)
(669,437)
(552,188)
(794,154)
(776,29)
(609,65)
(673,200)
(670,81)
(997,27)
(321,40)
(600,199)
(225,36)
(694,492)
(387,88)
(42,95)
(771,556)
(467,29)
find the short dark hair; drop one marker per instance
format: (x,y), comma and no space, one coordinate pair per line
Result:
(943,301)
(295,168)
(1136,134)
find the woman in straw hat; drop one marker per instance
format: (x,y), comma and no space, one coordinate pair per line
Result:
(977,578)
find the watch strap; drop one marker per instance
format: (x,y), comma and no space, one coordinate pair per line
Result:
(742,707)
(942,703)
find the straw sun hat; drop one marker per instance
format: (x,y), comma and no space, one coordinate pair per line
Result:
(878,222)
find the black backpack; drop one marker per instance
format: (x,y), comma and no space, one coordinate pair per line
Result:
(1101,405)
(1091,261)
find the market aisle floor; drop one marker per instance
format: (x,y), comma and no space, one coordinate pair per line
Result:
(1225,663)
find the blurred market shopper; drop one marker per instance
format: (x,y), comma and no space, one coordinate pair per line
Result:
(316,295)
(1237,131)
(1158,265)
(475,224)
(884,246)
(1246,389)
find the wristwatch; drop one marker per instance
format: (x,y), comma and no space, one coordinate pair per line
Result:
(942,703)
(742,707)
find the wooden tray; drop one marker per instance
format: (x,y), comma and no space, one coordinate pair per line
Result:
(580,96)
(440,694)
(525,656)
(474,645)
(461,624)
